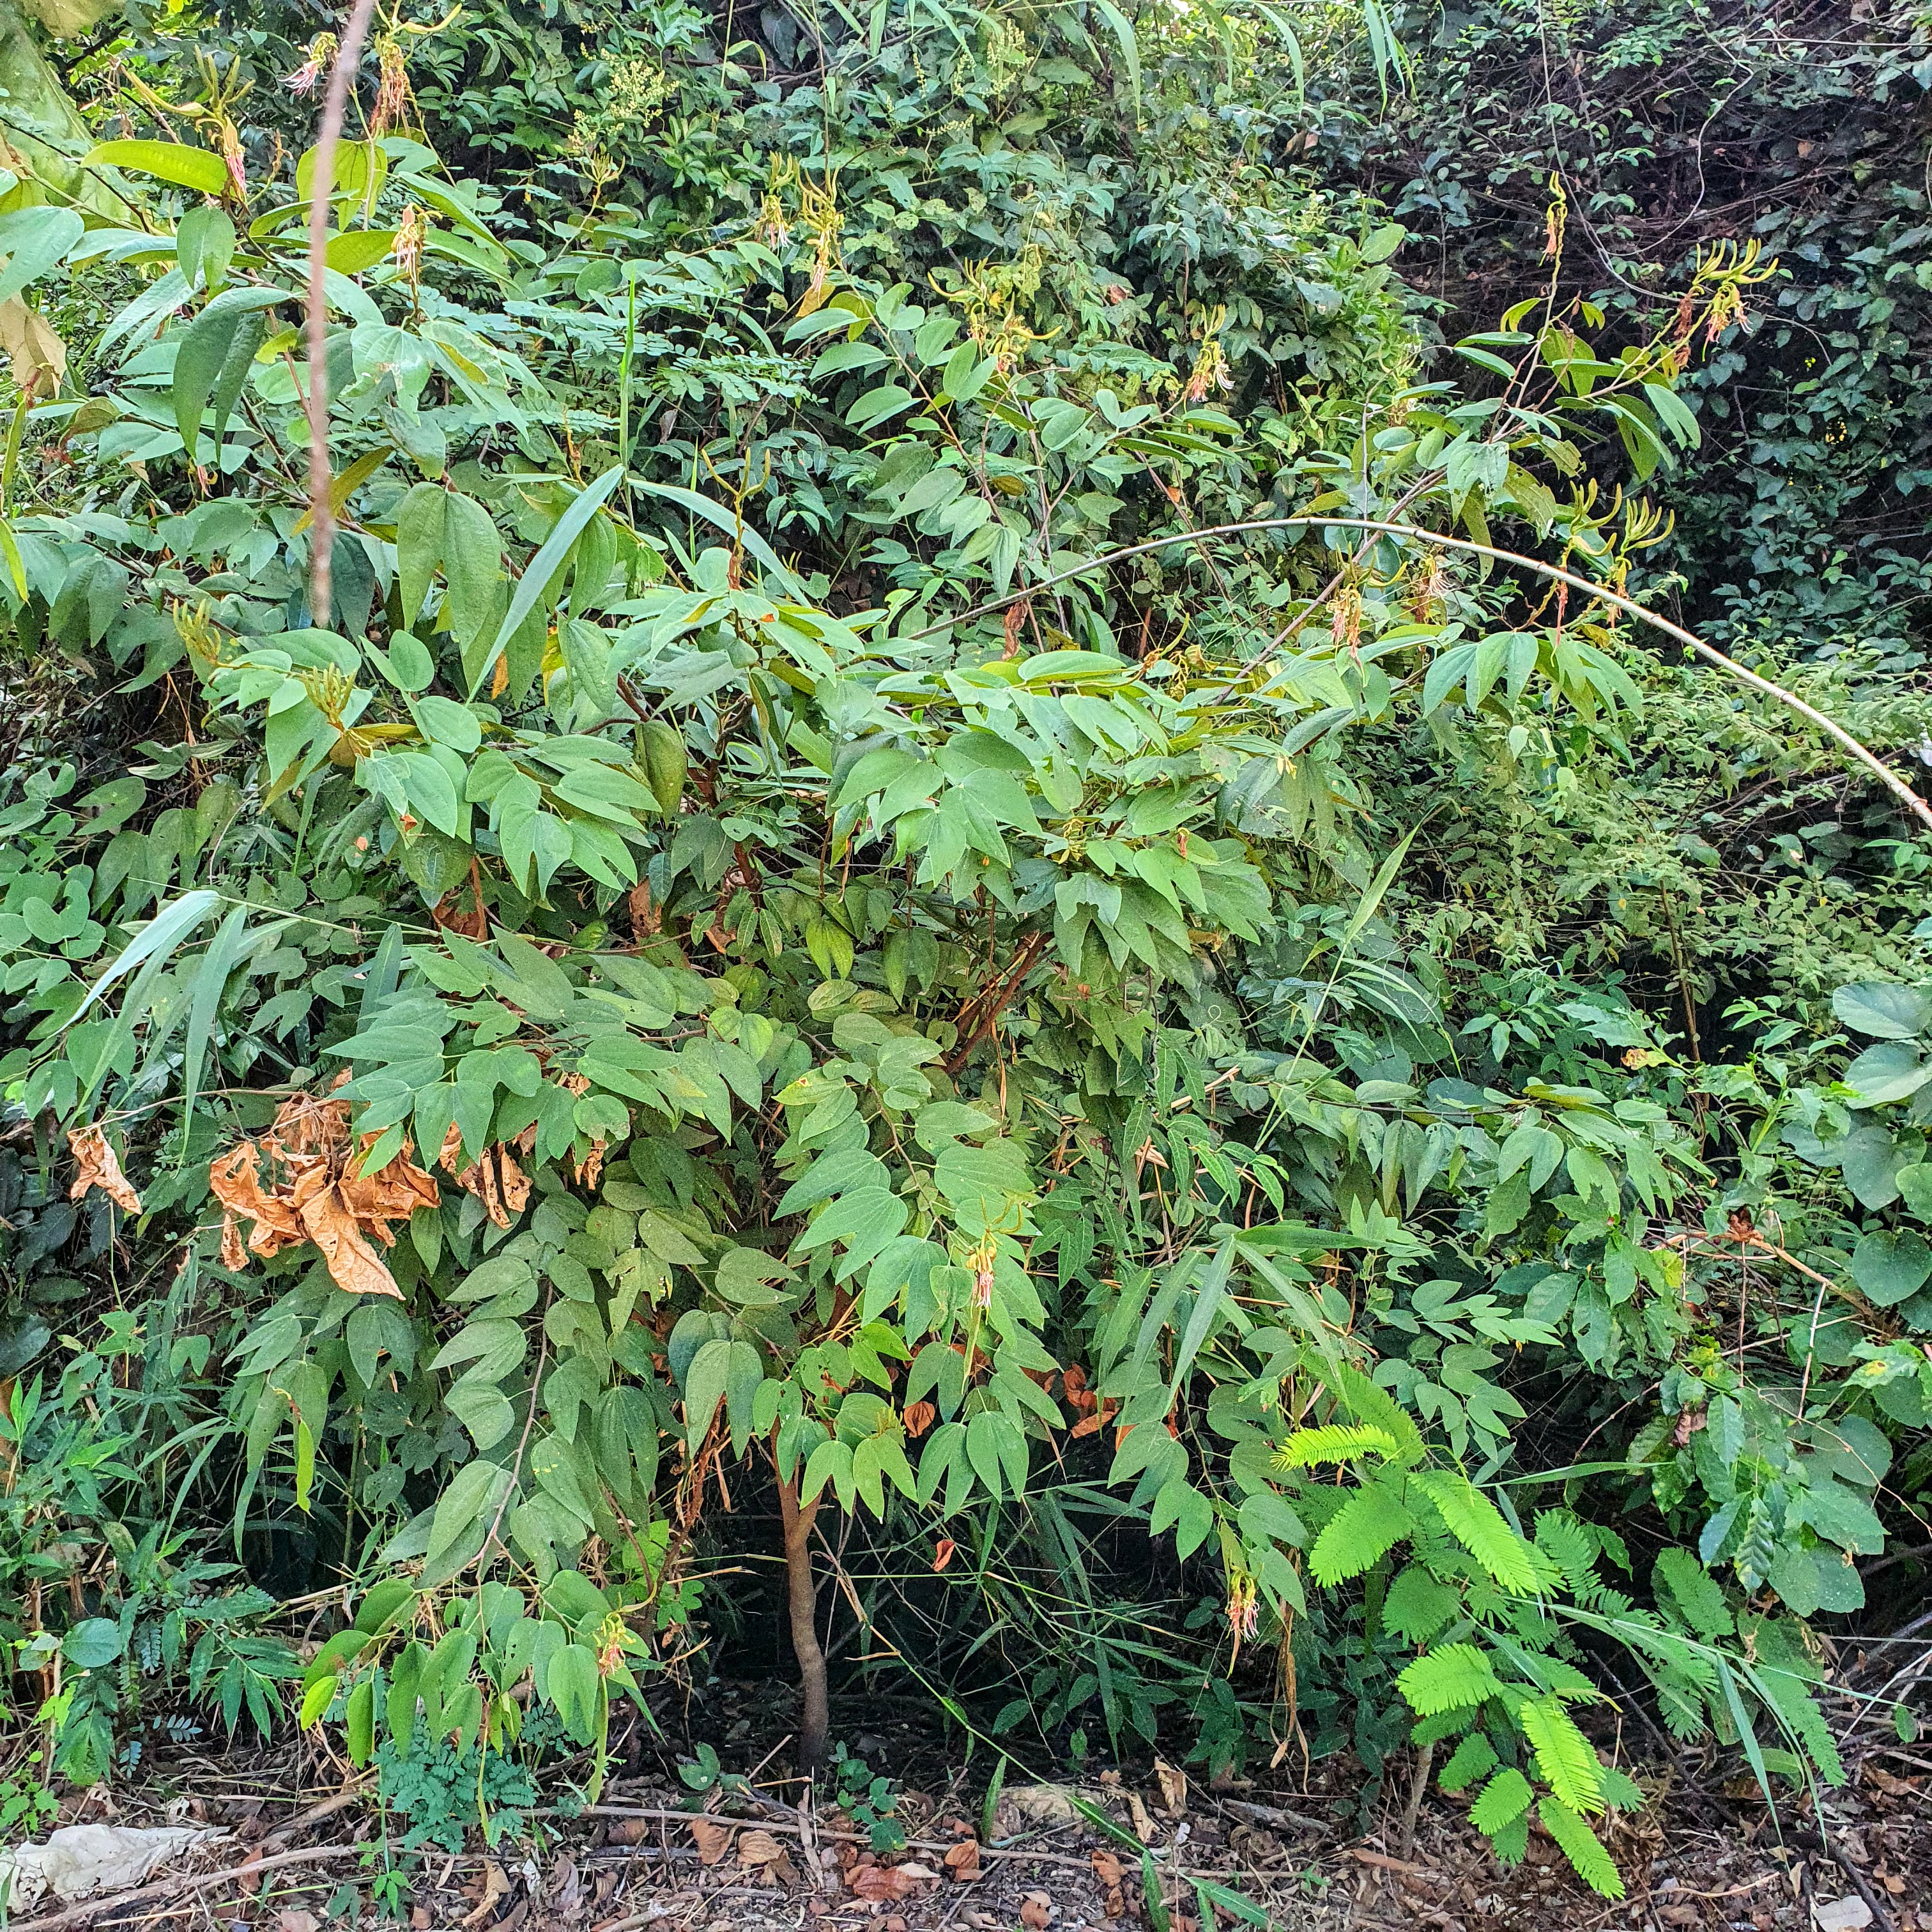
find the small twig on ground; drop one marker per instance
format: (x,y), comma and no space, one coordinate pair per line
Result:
(1815,1841)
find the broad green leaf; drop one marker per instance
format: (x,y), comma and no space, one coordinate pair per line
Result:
(196,168)
(551,556)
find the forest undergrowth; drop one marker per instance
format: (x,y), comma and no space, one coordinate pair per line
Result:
(1080,846)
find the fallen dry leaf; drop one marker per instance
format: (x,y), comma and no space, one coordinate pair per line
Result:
(1107,1869)
(714,1840)
(761,1851)
(1848,1914)
(291,1919)
(943,1554)
(962,1861)
(563,1892)
(1173,1786)
(234,1254)
(1045,1806)
(99,1167)
(1036,1911)
(879,1883)
(496,1886)
(1144,1827)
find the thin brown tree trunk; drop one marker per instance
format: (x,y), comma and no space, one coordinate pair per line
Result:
(815,1712)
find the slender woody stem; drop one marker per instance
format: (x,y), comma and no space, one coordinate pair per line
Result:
(322,200)
(802,1593)
(1630,607)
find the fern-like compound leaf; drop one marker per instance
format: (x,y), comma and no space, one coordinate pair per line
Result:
(1581,1847)
(1359,1535)
(1565,1757)
(1452,1677)
(1481,1528)
(1334,1442)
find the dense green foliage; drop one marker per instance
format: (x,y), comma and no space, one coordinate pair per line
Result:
(1295,1084)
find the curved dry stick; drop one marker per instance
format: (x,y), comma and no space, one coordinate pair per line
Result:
(322,200)
(1710,653)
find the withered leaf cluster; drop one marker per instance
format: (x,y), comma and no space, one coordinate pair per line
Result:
(299,1183)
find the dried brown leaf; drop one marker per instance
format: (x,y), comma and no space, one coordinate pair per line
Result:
(499,1183)
(306,1125)
(334,1229)
(713,1839)
(99,1167)
(393,1193)
(234,1182)
(1173,1786)
(962,1861)
(879,1883)
(38,355)
(496,1886)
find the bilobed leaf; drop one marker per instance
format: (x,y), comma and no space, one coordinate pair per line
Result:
(704,1385)
(359,1725)
(867,1218)
(474,1489)
(359,251)
(1883,1010)
(421,524)
(1891,1267)
(472,561)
